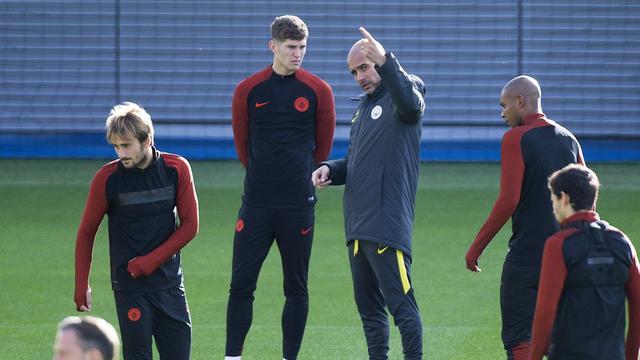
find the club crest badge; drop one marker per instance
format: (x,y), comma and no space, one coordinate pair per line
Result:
(239,225)
(376,112)
(134,314)
(301,104)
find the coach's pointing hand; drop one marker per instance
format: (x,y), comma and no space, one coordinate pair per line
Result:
(372,49)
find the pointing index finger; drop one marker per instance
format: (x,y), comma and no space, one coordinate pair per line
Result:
(366,34)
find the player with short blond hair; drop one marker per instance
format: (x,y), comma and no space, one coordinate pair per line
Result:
(141,193)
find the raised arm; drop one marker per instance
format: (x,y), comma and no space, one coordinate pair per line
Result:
(406,90)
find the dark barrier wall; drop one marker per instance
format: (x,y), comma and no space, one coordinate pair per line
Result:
(94,146)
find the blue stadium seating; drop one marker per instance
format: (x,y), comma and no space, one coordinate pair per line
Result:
(64,64)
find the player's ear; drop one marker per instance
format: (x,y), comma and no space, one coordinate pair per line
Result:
(521,100)
(565,198)
(94,354)
(272,45)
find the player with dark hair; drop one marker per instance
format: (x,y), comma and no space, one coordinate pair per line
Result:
(283,123)
(531,150)
(86,338)
(380,174)
(141,193)
(588,269)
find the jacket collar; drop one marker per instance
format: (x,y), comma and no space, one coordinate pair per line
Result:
(580,216)
(377,93)
(155,155)
(531,118)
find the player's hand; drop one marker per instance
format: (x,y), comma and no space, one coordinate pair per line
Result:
(372,49)
(83,299)
(320,177)
(139,266)
(472,262)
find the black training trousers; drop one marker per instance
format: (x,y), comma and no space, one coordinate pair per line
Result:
(256,229)
(163,315)
(382,277)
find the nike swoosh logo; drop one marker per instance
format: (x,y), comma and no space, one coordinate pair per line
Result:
(305,231)
(259,105)
(380,251)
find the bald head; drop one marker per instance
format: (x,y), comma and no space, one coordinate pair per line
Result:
(524,85)
(520,97)
(362,68)
(356,49)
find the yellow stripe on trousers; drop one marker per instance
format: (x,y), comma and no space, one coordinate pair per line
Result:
(403,272)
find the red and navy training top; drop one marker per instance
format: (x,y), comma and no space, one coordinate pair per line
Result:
(588,270)
(283,126)
(141,206)
(530,153)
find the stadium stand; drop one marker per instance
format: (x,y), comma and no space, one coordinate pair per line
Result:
(64,64)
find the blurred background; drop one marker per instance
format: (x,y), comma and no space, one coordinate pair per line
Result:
(64,64)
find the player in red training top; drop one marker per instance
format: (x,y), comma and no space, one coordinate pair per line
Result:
(588,270)
(534,148)
(283,124)
(140,192)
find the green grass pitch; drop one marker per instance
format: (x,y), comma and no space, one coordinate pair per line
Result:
(42,201)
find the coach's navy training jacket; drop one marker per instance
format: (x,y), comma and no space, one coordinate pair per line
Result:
(380,171)
(589,270)
(141,206)
(283,126)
